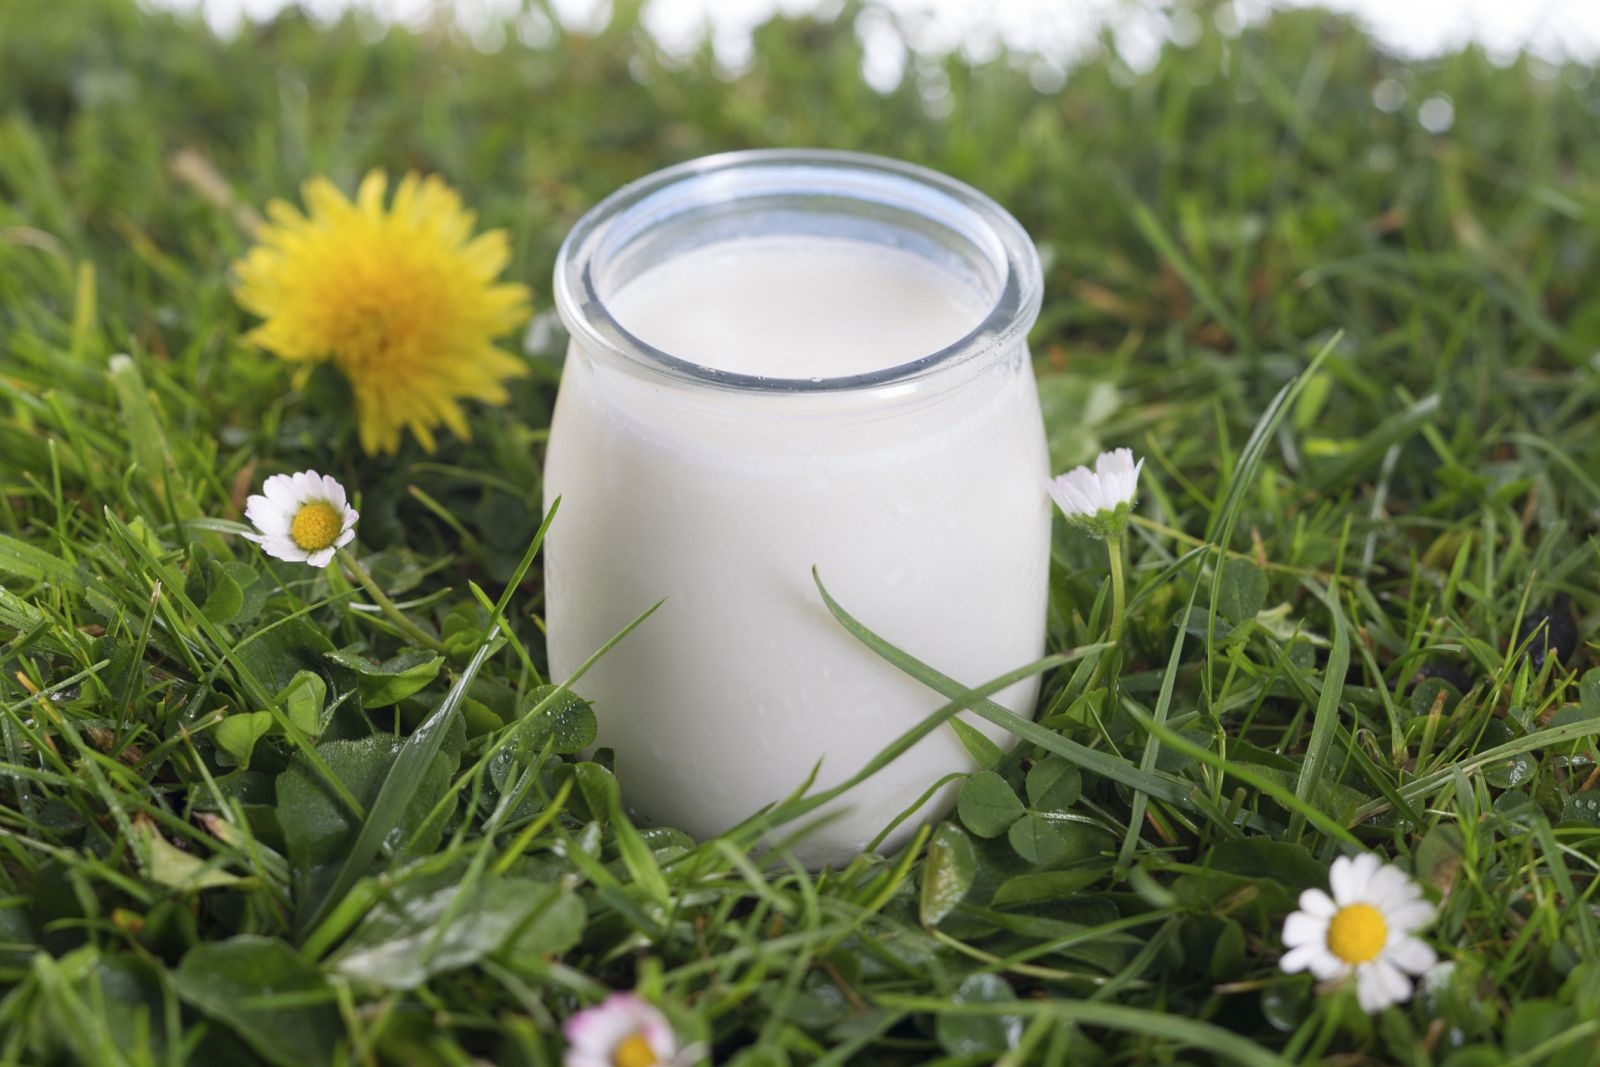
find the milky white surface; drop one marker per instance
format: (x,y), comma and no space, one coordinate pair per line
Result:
(805,309)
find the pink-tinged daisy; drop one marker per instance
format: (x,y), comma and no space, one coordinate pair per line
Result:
(1365,928)
(624,1030)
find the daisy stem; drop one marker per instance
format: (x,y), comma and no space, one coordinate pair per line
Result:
(1118,605)
(379,597)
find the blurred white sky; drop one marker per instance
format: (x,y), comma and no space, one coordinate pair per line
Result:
(1060,30)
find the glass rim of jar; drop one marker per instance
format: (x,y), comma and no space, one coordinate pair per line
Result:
(870,180)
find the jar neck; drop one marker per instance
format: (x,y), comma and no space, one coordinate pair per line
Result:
(810,195)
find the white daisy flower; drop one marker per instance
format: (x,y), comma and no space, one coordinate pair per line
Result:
(1099,500)
(301,517)
(1365,928)
(624,1030)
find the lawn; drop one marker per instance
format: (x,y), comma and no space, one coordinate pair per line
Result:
(1355,348)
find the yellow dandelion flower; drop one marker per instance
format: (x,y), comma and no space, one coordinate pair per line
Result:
(403,299)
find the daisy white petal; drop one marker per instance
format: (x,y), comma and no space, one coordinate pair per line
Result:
(1300,929)
(1409,916)
(1367,865)
(267,516)
(280,490)
(1316,902)
(307,484)
(1299,958)
(1325,967)
(1100,499)
(333,492)
(1364,929)
(1412,955)
(1380,985)
(283,548)
(1348,877)
(1390,883)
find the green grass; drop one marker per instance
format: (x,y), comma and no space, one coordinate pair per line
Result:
(1312,534)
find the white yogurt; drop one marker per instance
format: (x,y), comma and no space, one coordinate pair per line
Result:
(922,508)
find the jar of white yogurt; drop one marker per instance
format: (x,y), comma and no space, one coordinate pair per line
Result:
(783,360)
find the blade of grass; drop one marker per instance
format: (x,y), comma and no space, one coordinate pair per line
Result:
(1326,717)
(1155,783)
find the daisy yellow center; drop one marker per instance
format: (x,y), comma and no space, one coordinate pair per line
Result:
(315,526)
(634,1051)
(1357,933)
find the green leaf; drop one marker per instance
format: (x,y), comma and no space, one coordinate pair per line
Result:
(556,925)
(1227,952)
(1426,695)
(1511,772)
(318,829)
(597,786)
(224,599)
(947,873)
(984,752)
(18,941)
(275,654)
(604,798)
(1053,784)
(1533,1022)
(1259,857)
(423,928)
(238,733)
(253,589)
(479,718)
(1035,840)
(987,805)
(1213,945)
(1476,1056)
(1439,856)
(1241,590)
(303,701)
(391,681)
(95,1007)
(973,1035)
(1582,808)
(1589,691)
(266,993)
(1044,885)
(568,718)
(166,864)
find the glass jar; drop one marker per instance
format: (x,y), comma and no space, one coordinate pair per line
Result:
(726,423)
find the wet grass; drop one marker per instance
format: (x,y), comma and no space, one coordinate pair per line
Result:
(1356,352)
